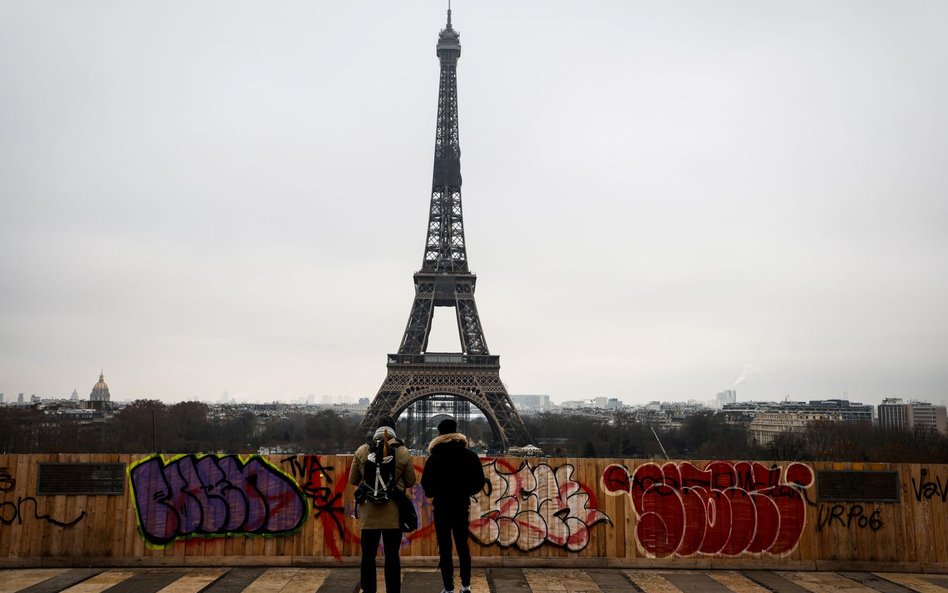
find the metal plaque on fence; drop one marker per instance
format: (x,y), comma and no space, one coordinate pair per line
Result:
(857,486)
(81,478)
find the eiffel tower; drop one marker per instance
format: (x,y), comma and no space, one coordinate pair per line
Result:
(473,375)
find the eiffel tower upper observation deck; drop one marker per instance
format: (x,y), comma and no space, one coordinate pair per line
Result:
(446,281)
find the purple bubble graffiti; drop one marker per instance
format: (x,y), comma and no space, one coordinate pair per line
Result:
(213,495)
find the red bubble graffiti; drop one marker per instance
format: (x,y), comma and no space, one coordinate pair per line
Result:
(724,509)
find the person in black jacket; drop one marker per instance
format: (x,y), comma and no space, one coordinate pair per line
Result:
(453,474)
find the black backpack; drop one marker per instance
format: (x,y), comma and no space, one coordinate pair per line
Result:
(378,473)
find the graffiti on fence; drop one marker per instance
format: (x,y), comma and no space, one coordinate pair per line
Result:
(207,495)
(855,515)
(724,509)
(529,506)
(326,496)
(927,489)
(12,512)
(7,482)
(316,481)
(424,509)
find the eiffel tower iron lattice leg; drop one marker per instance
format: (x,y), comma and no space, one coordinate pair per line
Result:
(445,281)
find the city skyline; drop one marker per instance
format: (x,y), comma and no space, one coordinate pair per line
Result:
(662,202)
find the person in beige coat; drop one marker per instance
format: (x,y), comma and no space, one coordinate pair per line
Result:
(380,521)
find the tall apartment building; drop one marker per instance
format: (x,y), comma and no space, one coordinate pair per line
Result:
(895,413)
(728,396)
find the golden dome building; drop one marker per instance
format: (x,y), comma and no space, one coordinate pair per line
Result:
(100,394)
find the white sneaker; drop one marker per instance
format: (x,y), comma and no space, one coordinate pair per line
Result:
(466,589)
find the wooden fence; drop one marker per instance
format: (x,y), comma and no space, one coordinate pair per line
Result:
(297,510)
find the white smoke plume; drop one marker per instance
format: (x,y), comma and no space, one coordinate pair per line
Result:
(748,370)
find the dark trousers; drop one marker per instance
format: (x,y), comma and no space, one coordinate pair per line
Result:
(391,541)
(453,522)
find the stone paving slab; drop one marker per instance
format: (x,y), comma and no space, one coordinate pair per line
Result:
(58,582)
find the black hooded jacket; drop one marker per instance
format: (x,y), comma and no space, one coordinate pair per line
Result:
(453,473)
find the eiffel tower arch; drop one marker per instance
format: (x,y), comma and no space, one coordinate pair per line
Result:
(445,280)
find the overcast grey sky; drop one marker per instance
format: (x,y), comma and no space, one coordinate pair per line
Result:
(662,199)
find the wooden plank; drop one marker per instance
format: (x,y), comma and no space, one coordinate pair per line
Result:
(879,542)
(269,546)
(922,521)
(7,495)
(893,546)
(259,545)
(59,512)
(620,505)
(546,549)
(838,535)
(904,530)
(596,548)
(232,546)
(104,508)
(808,547)
(487,551)
(45,505)
(18,534)
(85,529)
(28,512)
(605,532)
(214,546)
(134,543)
(632,549)
(939,516)
(119,509)
(622,524)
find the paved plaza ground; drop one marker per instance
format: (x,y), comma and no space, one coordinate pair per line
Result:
(485,580)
